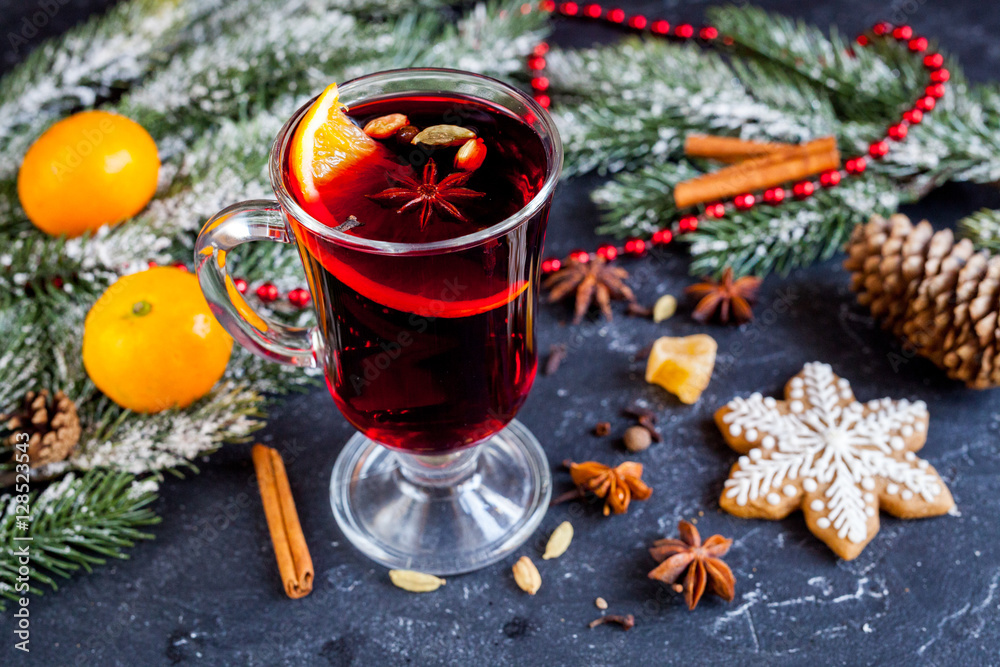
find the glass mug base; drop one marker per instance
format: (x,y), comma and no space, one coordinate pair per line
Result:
(441,514)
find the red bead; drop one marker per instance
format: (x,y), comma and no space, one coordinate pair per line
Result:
(913,116)
(637,22)
(688,223)
(708,33)
(551,265)
(544,101)
(903,32)
(540,83)
(616,15)
(804,189)
(744,202)
(267,292)
(593,11)
(935,90)
(774,196)
(933,60)
(662,237)
(241,285)
(897,132)
(684,31)
(536,63)
(635,247)
(547,6)
(541,49)
(151,264)
(569,8)
(608,252)
(917,44)
(716,210)
(940,75)
(881,28)
(57,282)
(660,27)
(925,103)
(727,40)
(180,265)
(862,40)
(581,256)
(299,297)
(828,179)
(856,165)
(878,149)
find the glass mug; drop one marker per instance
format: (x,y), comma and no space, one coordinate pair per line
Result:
(428,349)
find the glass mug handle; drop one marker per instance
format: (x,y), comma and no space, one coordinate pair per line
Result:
(255,220)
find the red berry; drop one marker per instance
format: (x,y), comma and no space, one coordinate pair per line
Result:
(57,282)
(862,40)
(917,44)
(925,103)
(933,60)
(593,11)
(616,15)
(637,22)
(935,90)
(541,49)
(180,265)
(878,149)
(828,179)
(662,237)
(774,196)
(548,6)
(267,292)
(688,223)
(241,285)
(608,252)
(903,32)
(897,132)
(660,27)
(544,101)
(299,297)
(881,28)
(581,256)
(940,75)
(856,165)
(536,63)
(540,83)
(551,265)
(716,210)
(804,189)
(708,33)
(569,8)
(635,247)
(684,31)
(744,202)
(913,116)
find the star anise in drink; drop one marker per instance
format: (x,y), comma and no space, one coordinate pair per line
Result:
(592,281)
(429,194)
(724,297)
(702,562)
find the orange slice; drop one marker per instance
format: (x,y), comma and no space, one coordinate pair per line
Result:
(682,366)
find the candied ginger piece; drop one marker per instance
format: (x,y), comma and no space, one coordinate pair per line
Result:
(682,366)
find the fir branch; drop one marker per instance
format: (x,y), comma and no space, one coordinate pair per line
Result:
(74,524)
(983,229)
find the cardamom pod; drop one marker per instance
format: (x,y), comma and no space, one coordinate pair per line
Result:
(526,576)
(443,135)
(664,308)
(559,541)
(415,582)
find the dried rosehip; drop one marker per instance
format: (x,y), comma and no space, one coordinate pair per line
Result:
(384,127)
(471,155)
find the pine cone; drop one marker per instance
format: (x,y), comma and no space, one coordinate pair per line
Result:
(940,296)
(52,424)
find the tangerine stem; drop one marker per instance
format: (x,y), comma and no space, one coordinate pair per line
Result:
(142,308)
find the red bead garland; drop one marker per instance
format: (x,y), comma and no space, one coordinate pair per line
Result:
(267,292)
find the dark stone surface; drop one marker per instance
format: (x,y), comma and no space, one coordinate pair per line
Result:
(206,591)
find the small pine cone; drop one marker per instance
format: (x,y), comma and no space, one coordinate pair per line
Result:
(52,425)
(940,296)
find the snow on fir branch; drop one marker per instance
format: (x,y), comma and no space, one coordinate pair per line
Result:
(76,523)
(983,229)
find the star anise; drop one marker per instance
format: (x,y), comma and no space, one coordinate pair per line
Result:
(725,296)
(702,561)
(617,486)
(429,194)
(593,280)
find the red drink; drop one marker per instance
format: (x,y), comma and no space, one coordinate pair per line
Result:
(435,351)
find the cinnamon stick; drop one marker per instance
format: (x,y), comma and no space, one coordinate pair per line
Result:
(759,173)
(729,149)
(294,562)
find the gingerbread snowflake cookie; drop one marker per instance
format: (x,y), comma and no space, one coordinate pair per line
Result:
(835,458)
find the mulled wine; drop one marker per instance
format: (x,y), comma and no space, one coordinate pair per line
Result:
(430,350)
